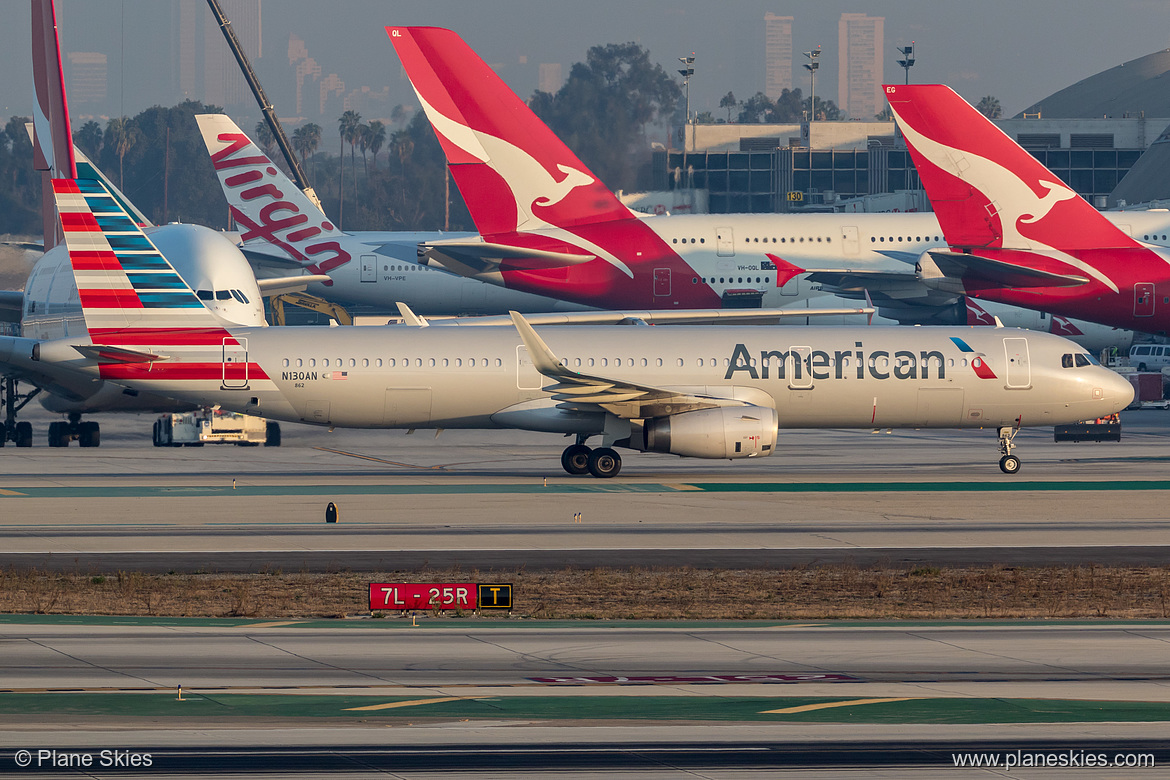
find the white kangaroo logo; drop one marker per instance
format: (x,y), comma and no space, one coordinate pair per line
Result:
(1009,196)
(529,182)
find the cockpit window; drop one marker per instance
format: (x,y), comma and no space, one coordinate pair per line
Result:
(239,296)
(205,295)
(1066,360)
(223,295)
(1078,360)
(1082,360)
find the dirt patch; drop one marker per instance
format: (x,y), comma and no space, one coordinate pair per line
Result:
(820,593)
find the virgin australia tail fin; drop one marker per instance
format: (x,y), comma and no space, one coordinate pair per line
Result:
(985,188)
(513,171)
(265,203)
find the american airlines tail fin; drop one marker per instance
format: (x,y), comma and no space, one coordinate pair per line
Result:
(124,283)
(52,135)
(985,188)
(265,203)
(512,170)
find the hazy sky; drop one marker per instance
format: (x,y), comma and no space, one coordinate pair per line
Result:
(1016,50)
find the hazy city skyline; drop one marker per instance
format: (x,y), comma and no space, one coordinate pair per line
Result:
(1017,51)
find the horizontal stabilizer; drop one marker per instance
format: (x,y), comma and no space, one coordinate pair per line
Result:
(958,265)
(104,354)
(481,256)
(267,258)
(285,284)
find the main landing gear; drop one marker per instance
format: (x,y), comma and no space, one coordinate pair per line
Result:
(1008,464)
(602,462)
(19,433)
(87,434)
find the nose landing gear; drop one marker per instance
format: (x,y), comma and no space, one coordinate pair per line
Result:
(1008,464)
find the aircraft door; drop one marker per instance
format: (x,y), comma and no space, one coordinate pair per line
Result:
(1019,371)
(724,242)
(661,282)
(800,375)
(850,242)
(235,364)
(1143,299)
(369,268)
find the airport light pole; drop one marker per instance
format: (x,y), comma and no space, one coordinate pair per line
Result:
(686,72)
(811,66)
(907,61)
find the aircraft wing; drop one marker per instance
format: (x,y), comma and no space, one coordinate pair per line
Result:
(280,285)
(664,317)
(11,305)
(261,256)
(473,258)
(589,392)
(958,265)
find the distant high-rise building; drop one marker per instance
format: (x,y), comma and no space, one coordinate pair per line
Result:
(331,86)
(87,77)
(223,83)
(860,41)
(550,78)
(777,54)
(306,68)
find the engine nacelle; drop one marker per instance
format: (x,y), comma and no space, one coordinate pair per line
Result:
(725,432)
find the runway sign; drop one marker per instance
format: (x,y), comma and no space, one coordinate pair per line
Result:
(440,595)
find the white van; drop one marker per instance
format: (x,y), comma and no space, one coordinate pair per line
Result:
(1149,357)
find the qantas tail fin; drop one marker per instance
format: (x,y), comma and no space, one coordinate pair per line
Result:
(987,190)
(123,282)
(513,171)
(52,135)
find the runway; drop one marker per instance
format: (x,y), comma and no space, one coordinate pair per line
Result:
(499,500)
(656,699)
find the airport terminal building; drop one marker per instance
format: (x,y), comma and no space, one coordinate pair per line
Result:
(1090,134)
(829,165)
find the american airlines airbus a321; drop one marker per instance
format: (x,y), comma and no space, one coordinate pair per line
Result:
(699,392)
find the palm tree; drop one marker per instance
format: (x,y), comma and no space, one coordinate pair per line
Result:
(989,107)
(121,134)
(265,137)
(363,142)
(300,142)
(349,124)
(403,146)
(345,125)
(377,137)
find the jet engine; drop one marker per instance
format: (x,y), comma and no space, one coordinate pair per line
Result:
(724,432)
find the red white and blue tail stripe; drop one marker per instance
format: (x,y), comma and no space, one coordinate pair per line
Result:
(135,302)
(123,281)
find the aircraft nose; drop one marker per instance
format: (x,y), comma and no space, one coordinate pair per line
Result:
(1117,389)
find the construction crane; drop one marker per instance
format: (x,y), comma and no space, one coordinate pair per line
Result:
(265,106)
(311,302)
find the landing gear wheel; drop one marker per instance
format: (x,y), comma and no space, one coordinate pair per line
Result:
(90,435)
(272,434)
(23,434)
(604,463)
(575,459)
(1009,464)
(58,434)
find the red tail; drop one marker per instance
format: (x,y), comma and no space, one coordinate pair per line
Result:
(985,188)
(52,135)
(514,173)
